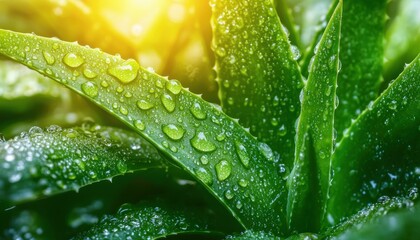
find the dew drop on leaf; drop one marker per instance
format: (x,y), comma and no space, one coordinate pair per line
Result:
(89,73)
(126,71)
(122,167)
(48,57)
(197,111)
(295,52)
(392,105)
(243,183)
(123,110)
(90,89)
(168,102)
(104,84)
(282,131)
(174,86)
(73,60)
(229,194)
(238,204)
(204,160)
(173,131)
(201,143)
(266,151)
(223,170)
(204,176)
(242,154)
(144,105)
(139,125)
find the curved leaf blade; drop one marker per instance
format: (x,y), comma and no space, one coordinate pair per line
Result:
(212,147)
(42,163)
(251,235)
(369,214)
(257,72)
(383,147)
(402,224)
(145,221)
(361,58)
(309,179)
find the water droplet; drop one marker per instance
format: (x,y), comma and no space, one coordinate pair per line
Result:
(104,84)
(90,89)
(204,160)
(223,170)
(201,143)
(392,105)
(126,71)
(197,111)
(48,58)
(220,51)
(173,131)
(168,102)
(229,194)
(328,91)
(174,86)
(73,60)
(295,52)
(122,167)
(238,204)
(204,176)
(274,121)
(123,110)
(266,151)
(139,125)
(89,73)
(220,137)
(242,154)
(413,193)
(144,105)
(282,131)
(243,183)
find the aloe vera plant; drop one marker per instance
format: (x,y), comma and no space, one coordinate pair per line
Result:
(307,142)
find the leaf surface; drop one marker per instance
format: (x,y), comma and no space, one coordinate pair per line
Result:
(361,48)
(259,78)
(144,221)
(309,179)
(378,155)
(403,224)
(42,163)
(232,164)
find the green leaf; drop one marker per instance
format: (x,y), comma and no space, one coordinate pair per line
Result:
(18,84)
(403,224)
(212,147)
(402,38)
(378,155)
(42,163)
(257,72)
(309,179)
(369,214)
(146,221)
(361,57)
(286,18)
(310,50)
(251,235)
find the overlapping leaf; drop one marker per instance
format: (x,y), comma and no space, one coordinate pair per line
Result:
(259,79)
(233,166)
(42,163)
(145,221)
(310,177)
(361,57)
(378,155)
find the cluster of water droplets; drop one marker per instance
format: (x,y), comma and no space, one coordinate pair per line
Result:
(45,161)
